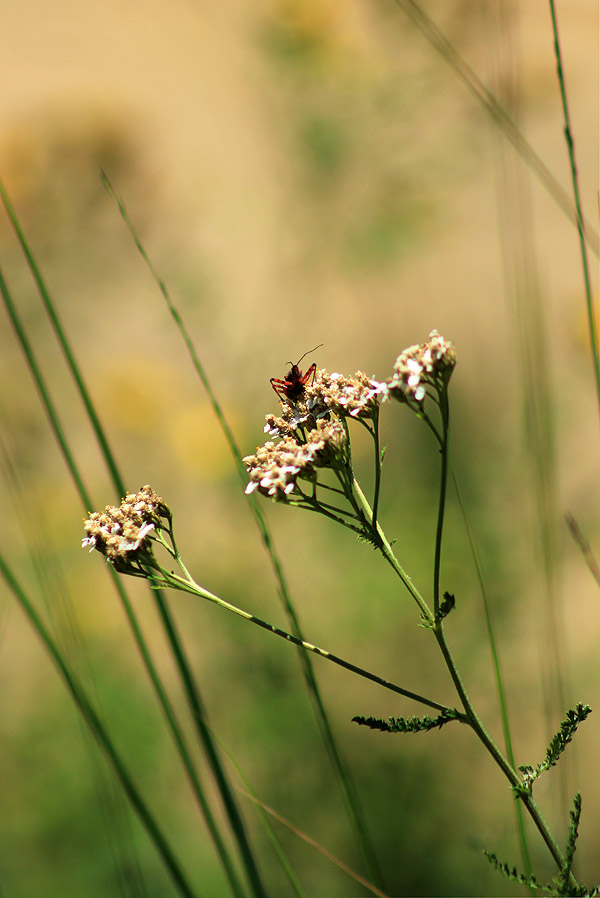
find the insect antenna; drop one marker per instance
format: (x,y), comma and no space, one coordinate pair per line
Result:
(308,352)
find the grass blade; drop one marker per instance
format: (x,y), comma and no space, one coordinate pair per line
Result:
(586,549)
(520,818)
(592,326)
(334,860)
(96,726)
(499,116)
(110,800)
(272,835)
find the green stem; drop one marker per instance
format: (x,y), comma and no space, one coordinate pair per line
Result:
(200,719)
(65,348)
(189,585)
(438,631)
(473,719)
(381,541)
(445,414)
(320,508)
(319,504)
(377,450)
(332,489)
(513,778)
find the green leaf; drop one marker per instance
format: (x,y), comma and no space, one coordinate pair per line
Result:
(559,742)
(407,725)
(513,875)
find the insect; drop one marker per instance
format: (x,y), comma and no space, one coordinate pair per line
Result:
(293,384)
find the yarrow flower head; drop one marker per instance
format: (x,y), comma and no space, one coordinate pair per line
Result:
(123,534)
(424,365)
(276,467)
(353,396)
(328,394)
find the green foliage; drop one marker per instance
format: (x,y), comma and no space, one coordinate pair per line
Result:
(574,815)
(513,875)
(563,884)
(558,744)
(407,724)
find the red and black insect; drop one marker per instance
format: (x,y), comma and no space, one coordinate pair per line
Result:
(293,385)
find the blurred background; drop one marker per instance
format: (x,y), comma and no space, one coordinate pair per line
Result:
(300,172)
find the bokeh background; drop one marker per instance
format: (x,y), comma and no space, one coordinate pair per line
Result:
(299,171)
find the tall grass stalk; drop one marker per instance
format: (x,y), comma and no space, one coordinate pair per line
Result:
(62,625)
(327,854)
(524,290)
(501,118)
(502,704)
(267,826)
(344,777)
(581,225)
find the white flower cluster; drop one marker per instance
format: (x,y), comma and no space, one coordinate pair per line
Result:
(422,365)
(355,396)
(122,533)
(276,467)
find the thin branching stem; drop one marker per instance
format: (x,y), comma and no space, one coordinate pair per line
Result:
(438,630)
(334,509)
(436,625)
(319,508)
(189,585)
(425,417)
(332,489)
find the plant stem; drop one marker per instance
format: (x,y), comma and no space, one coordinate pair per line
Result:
(381,541)
(192,693)
(438,631)
(377,452)
(513,778)
(471,715)
(445,415)
(189,585)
